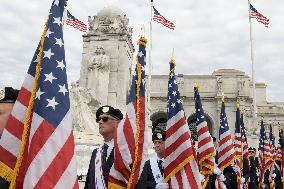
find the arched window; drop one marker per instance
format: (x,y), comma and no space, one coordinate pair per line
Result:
(192,126)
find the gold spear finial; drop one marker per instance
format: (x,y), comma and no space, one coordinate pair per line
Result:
(223,97)
(196,87)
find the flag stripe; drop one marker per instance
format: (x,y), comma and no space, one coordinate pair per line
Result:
(69,177)
(36,122)
(62,160)
(15,123)
(10,159)
(60,135)
(24,97)
(39,138)
(10,143)
(19,112)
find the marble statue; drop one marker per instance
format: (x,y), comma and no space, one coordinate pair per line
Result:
(98,74)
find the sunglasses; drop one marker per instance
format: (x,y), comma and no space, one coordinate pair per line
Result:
(104,119)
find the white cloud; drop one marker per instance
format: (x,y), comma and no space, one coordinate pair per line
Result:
(209,35)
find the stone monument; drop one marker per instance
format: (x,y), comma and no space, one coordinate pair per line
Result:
(104,78)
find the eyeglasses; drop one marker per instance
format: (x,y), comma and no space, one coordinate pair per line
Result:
(104,119)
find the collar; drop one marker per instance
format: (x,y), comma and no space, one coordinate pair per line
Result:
(110,144)
(163,159)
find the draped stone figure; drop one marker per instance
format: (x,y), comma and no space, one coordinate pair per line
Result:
(98,74)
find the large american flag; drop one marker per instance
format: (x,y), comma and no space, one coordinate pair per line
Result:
(238,147)
(75,23)
(258,16)
(226,151)
(48,159)
(162,20)
(181,168)
(130,140)
(206,150)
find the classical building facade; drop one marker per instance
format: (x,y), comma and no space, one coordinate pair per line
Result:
(105,75)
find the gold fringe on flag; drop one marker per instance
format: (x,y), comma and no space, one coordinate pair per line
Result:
(6,172)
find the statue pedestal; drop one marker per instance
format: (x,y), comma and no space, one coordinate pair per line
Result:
(85,143)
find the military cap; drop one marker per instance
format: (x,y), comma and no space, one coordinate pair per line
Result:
(108,110)
(250,149)
(159,134)
(8,95)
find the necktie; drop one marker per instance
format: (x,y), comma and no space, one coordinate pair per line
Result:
(104,155)
(161,167)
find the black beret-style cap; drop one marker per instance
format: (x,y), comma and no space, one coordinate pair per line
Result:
(250,149)
(159,134)
(116,113)
(9,95)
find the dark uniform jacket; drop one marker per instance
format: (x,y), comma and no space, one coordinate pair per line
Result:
(4,184)
(231,177)
(90,180)
(211,182)
(253,181)
(278,180)
(146,180)
(246,170)
(266,179)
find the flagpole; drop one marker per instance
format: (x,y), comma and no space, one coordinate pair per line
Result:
(252,70)
(64,14)
(150,63)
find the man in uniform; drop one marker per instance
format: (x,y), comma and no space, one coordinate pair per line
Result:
(7,100)
(231,177)
(253,180)
(152,176)
(102,158)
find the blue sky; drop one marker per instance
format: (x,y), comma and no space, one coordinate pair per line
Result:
(209,35)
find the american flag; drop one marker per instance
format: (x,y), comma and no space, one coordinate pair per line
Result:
(181,168)
(268,151)
(206,150)
(160,19)
(244,138)
(130,141)
(273,152)
(238,146)
(40,134)
(258,16)
(75,23)
(265,155)
(226,151)
(260,149)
